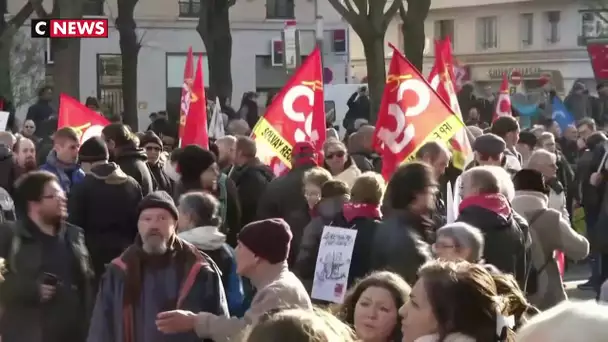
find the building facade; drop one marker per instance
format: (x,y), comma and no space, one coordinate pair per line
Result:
(168,27)
(537,38)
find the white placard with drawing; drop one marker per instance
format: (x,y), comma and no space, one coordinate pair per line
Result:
(4,120)
(333,263)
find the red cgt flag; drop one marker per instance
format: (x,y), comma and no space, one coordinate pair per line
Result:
(503,100)
(88,123)
(598,54)
(410,114)
(195,131)
(186,91)
(296,114)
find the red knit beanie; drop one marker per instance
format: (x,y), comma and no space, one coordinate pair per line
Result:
(268,239)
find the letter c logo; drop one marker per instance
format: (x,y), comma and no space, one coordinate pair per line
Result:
(288,101)
(39,26)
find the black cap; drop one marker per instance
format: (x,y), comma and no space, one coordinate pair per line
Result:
(489,144)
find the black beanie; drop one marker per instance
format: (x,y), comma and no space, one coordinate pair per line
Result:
(268,239)
(93,150)
(193,161)
(150,137)
(158,199)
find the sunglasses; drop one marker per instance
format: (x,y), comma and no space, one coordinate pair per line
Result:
(339,154)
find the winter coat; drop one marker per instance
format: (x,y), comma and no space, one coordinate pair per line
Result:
(210,241)
(276,289)
(67,175)
(507,240)
(553,232)
(104,204)
(25,318)
(115,321)
(306,260)
(251,180)
(132,161)
(400,245)
(39,112)
(350,173)
(283,198)
(160,178)
(7,164)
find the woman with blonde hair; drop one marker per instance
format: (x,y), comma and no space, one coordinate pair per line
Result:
(371,307)
(297,325)
(339,163)
(461,302)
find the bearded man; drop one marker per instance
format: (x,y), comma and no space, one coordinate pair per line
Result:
(159,272)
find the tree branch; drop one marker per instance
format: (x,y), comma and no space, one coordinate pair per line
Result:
(397,5)
(598,5)
(16,22)
(362,7)
(349,14)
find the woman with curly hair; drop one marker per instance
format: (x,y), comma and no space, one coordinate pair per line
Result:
(371,307)
(461,302)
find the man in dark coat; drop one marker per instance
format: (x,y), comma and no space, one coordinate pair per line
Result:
(125,153)
(46,294)
(282,197)
(41,110)
(159,272)
(250,176)
(153,145)
(104,205)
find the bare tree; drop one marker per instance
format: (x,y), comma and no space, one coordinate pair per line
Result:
(413,29)
(214,29)
(8,30)
(27,68)
(599,6)
(370,20)
(66,51)
(129,49)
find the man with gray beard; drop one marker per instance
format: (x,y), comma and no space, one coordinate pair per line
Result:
(159,272)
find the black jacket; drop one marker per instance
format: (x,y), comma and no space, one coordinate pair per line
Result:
(26,318)
(251,181)
(104,204)
(132,161)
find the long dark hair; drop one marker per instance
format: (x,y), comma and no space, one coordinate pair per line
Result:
(393,283)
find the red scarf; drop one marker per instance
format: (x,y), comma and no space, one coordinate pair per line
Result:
(355,210)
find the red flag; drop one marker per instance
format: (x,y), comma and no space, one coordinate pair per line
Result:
(503,101)
(442,81)
(598,54)
(296,114)
(411,114)
(186,91)
(87,123)
(195,131)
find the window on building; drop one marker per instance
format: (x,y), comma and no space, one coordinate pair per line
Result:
(444,29)
(280,9)
(487,33)
(527,29)
(189,8)
(552,26)
(109,83)
(93,7)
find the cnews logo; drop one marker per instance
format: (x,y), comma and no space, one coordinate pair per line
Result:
(69,28)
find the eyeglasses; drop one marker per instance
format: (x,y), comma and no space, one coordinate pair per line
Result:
(339,154)
(57,195)
(443,245)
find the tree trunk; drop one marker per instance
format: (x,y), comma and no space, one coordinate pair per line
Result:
(413,30)
(214,29)
(129,49)
(373,47)
(66,51)
(7,33)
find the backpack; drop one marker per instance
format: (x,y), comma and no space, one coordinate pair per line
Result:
(532,274)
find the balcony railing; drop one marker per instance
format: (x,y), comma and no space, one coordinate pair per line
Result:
(189,8)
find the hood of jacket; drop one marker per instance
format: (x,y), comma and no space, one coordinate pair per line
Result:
(207,238)
(529,201)
(131,153)
(110,173)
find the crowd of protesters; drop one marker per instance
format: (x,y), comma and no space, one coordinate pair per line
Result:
(128,238)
